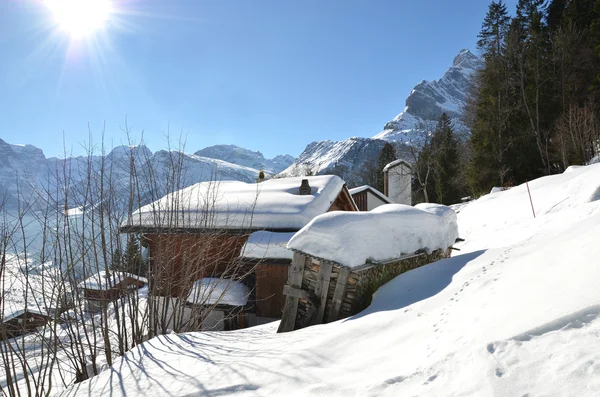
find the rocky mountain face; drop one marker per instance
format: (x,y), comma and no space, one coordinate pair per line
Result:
(247,158)
(350,159)
(429,99)
(28,178)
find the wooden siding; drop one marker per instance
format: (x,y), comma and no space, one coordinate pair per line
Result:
(22,324)
(343,202)
(270,280)
(320,291)
(177,260)
(361,200)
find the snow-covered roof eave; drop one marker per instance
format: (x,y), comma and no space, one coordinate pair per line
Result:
(396,163)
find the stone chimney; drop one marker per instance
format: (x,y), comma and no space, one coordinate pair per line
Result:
(305,188)
(261,177)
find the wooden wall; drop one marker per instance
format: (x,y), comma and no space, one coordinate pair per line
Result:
(320,291)
(270,279)
(361,200)
(177,260)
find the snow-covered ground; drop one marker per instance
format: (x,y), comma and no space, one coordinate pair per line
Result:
(515,313)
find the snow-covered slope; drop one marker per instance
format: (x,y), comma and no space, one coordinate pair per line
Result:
(349,159)
(516,313)
(240,156)
(429,99)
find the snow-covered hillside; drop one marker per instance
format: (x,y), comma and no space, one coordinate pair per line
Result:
(247,158)
(429,99)
(515,313)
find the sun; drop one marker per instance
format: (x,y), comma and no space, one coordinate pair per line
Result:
(80,18)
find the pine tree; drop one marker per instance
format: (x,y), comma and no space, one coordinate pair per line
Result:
(493,30)
(131,260)
(386,156)
(446,163)
(491,105)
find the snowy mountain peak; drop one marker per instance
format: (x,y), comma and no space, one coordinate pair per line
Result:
(429,99)
(348,159)
(247,158)
(466,58)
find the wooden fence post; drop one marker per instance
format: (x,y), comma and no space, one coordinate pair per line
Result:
(338,294)
(290,309)
(321,290)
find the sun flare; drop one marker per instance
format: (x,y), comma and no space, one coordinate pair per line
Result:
(80,18)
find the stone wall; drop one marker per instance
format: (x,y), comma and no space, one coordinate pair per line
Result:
(360,286)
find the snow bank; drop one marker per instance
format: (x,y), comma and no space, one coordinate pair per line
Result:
(506,217)
(385,233)
(103,281)
(211,291)
(267,245)
(273,204)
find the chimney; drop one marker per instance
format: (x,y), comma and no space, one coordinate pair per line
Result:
(305,188)
(261,177)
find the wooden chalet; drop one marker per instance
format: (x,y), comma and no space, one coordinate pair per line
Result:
(104,287)
(367,198)
(201,231)
(21,322)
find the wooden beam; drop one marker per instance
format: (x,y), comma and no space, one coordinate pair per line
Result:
(290,309)
(321,290)
(295,292)
(338,294)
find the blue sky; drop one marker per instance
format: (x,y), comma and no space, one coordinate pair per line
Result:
(267,75)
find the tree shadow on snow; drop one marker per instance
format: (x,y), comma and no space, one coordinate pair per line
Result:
(417,285)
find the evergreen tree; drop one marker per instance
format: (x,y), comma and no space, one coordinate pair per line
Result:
(386,156)
(493,30)
(131,260)
(440,159)
(490,105)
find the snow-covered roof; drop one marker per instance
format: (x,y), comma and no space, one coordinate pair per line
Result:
(273,204)
(385,233)
(220,291)
(395,163)
(376,192)
(267,245)
(9,315)
(103,281)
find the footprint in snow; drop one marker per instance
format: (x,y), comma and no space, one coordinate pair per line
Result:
(394,380)
(499,372)
(491,348)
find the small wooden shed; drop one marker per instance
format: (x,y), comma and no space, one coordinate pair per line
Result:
(268,253)
(321,291)
(23,321)
(220,304)
(104,287)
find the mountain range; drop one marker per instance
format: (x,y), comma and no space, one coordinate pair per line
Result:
(25,172)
